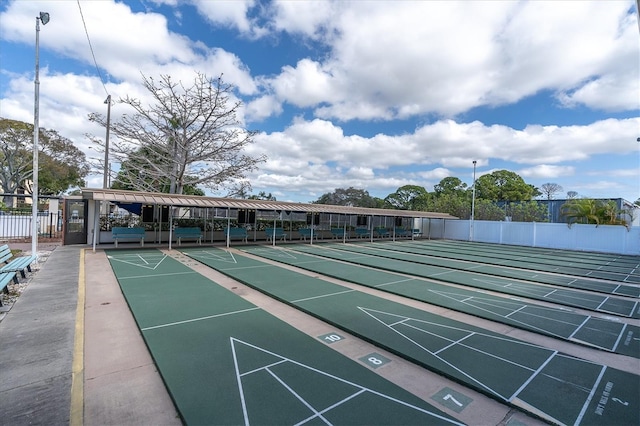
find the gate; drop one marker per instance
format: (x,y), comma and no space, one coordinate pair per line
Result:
(75,221)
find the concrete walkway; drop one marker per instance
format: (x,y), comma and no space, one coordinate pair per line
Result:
(36,345)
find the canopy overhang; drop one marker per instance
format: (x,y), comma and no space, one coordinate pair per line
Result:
(157,198)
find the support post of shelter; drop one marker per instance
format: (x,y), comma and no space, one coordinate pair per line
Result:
(170,225)
(96,224)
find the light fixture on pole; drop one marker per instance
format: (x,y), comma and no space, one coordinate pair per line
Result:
(473,202)
(44,18)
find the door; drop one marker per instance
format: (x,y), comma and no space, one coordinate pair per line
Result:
(75,220)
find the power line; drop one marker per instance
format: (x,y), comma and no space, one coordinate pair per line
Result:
(91,48)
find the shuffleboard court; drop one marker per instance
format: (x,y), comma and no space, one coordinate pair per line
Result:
(557,261)
(398,262)
(604,334)
(629,261)
(559,388)
(226,361)
(524,271)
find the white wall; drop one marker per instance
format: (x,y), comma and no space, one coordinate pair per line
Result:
(603,238)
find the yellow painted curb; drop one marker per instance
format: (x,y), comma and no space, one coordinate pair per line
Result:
(77,370)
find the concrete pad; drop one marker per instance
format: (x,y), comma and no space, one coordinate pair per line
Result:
(121,383)
(128,397)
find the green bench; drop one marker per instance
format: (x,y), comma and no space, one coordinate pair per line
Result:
(362,233)
(5,279)
(401,232)
(338,233)
(304,233)
(188,233)
(277,233)
(382,232)
(123,233)
(11,266)
(236,233)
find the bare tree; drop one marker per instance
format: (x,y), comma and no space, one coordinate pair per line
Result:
(572,194)
(549,190)
(189,135)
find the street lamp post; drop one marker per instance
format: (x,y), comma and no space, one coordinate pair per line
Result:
(107,169)
(44,17)
(105,182)
(473,202)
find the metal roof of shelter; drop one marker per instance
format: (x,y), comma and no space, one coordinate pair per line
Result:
(157,198)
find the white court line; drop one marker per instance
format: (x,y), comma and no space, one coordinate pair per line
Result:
(243,402)
(514,312)
(453,343)
(322,295)
(590,397)
(264,367)
(331,407)
(212,255)
(550,293)
(266,265)
(580,326)
(615,346)
(317,414)
(323,373)
(527,325)
(442,273)
(481,384)
(535,373)
(471,333)
(395,282)
(602,303)
(171,324)
(144,260)
(158,275)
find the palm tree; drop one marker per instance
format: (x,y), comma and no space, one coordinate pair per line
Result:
(590,211)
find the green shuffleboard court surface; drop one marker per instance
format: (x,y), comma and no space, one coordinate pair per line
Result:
(520,267)
(559,388)
(622,268)
(601,333)
(398,262)
(225,361)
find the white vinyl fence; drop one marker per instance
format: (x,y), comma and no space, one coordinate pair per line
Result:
(18,226)
(603,238)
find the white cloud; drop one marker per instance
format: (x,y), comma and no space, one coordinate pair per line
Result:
(546,171)
(311,18)
(400,59)
(305,146)
(233,14)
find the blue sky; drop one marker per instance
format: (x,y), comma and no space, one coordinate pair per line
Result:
(370,94)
